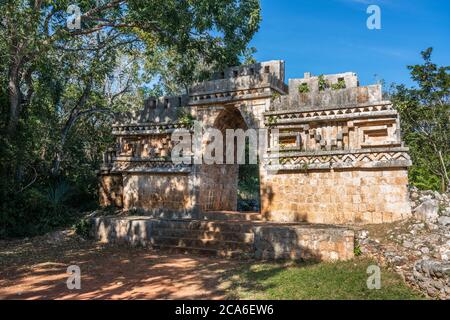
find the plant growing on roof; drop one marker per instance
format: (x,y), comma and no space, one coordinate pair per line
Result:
(338,85)
(323,84)
(271,120)
(275,96)
(185,118)
(303,88)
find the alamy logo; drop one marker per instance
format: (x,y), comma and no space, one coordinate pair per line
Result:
(208,145)
(374,20)
(74,18)
(74,279)
(73,21)
(374,280)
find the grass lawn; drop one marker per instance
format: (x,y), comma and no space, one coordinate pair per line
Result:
(339,280)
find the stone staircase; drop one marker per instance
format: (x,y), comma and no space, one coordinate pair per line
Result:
(224,234)
(231,216)
(228,234)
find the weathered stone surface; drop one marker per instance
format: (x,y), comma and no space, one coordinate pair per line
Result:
(153,193)
(338,197)
(417,249)
(445,221)
(229,238)
(111,190)
(427,211)
(307,242)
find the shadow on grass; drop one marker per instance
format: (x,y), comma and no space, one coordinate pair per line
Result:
(254,278)
(312,280)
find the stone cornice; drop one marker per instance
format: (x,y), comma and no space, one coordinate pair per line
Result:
(380,104)
(343,114)
(147,128)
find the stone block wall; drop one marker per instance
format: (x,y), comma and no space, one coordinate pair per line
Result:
(339,196)
(303,242)
(111,190)
(156,193)
(218,187)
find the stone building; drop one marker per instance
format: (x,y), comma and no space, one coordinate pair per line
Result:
(336,158)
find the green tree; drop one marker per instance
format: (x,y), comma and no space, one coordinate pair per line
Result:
(61,89)
(214,32)
(425,115)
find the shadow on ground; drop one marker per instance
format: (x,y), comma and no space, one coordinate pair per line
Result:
(36,269)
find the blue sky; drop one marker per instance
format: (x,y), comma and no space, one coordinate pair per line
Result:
(330,36)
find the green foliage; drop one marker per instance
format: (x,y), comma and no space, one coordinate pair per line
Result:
(425,118)
(305,168)
(185,118)
(421,177)
(248,56)
(72,84)
(338,85)
(248,187)
(357,250)
(58,193)
(323,84)
(35,211)
(82,228)
(303,88)
(271,120)
(275,96)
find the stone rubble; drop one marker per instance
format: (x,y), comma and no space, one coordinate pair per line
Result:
(417,248)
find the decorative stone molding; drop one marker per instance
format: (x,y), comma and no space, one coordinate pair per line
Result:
(326,160)
(148,165)
(147,128)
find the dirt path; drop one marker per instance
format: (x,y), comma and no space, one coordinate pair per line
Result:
(36,269)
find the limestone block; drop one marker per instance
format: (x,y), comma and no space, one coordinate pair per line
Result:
(428,211)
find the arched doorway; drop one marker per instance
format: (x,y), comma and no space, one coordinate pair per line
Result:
(226,187)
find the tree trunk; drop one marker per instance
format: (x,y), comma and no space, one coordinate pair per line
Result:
(14,99)
(445,178)
(73,116)
(62,141)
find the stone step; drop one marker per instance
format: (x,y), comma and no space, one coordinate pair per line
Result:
(202,244)
(205,235)
(213,226)
(205,251)
(231,216)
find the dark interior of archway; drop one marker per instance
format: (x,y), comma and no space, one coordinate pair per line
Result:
(248,186)
(245,177)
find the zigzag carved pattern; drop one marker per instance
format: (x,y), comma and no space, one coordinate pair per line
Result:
(362,157)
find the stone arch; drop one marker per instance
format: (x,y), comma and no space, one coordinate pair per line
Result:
(219,182)
(230,118)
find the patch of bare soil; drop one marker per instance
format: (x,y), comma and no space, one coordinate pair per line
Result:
(37,269)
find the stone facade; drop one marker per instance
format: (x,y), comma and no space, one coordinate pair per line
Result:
(339,196)
(334,151)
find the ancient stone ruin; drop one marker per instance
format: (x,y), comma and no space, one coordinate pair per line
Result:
(333,155)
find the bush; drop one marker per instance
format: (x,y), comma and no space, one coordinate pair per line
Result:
(82,228)
(36,210)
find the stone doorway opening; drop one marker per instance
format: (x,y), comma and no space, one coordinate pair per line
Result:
(230,187)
